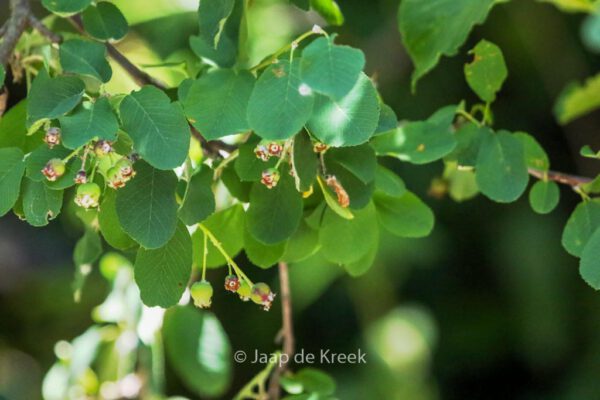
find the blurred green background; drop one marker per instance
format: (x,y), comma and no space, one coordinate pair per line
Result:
(489,307)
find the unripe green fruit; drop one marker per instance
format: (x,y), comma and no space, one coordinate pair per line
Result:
(114,178)
(88,195)
(202,294)
(54,169)
(262,295)
(245,291)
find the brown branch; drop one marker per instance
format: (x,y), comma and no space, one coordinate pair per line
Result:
(43,29)
(560,177)
(139,76)
(287,331)
(14,28)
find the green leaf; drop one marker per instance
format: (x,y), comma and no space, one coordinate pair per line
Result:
(582,223)
(438,28)
(544,196)
(330,69)
(487,72)
(13,130)
(222,48)
(228,227)
(86,58)
(589,267)
(354,168)
(304,162)
(348,121)
(405,216)
(274,214)
(303,244)
(248,166)
(388,121)
(278,108)
(2,75)
(217,103)
(88,248)
(309,380)
(50,98)
(89,121)
(388,182)
(146,206)
(66,7)
(578,100)
(262,255)
(162,274)
(501,170)
(105,22)
(12,168)
(329,10)
(535,155)
(198,350)
(361,266)
(212,15)
(40,203)
(238,189)
(158,127)
(468,143)
(199,200)
(345,241)
(588,6)
(110,227)
(420,142)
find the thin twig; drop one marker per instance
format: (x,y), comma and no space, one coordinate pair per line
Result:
(15,26)
(139,76)
(560,177)
(289,342)
(43,29)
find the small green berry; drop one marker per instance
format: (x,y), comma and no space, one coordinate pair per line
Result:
(262,295)
(88,195)
(54,169)
(244,291)
(114,178)
(125,168)
(202,294)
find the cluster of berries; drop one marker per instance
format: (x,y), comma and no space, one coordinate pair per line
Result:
(270,177)
(260,293)
(88,193)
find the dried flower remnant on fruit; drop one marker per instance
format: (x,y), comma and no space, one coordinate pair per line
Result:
(52,137)
(88,195)
(81,177)
(262,295)
(262,152)
(232,283)
(54,169)
(320,147)
(342,196)
(244,291)
(270,177)
(102,148)
(202,293)
(275,149)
